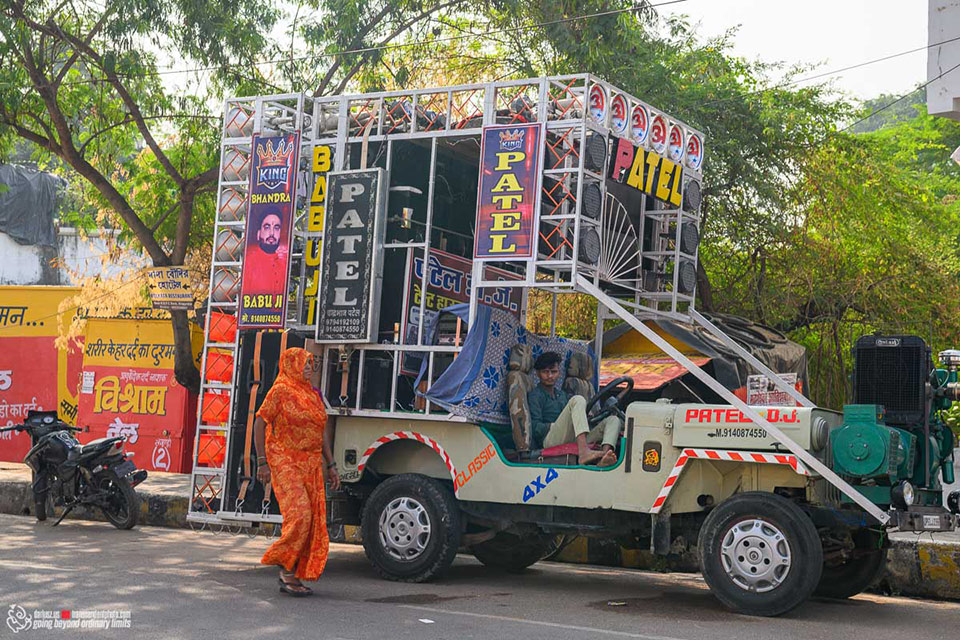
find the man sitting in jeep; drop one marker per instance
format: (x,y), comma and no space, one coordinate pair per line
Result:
(559,419)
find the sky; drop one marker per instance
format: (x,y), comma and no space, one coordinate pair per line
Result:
(837,33)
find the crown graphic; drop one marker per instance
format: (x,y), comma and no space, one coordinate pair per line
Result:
(270,157)
(511,136)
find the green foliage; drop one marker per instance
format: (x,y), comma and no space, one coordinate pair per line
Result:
(869,244)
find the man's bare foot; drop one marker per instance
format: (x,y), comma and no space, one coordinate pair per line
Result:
(608,460)
(590,457)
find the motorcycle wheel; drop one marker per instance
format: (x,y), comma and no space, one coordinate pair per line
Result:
(40,497)
(122,506)
(40,507)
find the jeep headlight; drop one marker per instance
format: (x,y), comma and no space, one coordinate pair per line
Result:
(903,495)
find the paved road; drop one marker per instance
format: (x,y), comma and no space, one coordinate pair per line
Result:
(181,584)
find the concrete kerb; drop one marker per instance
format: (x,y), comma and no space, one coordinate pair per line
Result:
(164,497)
(924,565)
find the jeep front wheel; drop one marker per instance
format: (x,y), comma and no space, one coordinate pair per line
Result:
(760,554)
(411,528)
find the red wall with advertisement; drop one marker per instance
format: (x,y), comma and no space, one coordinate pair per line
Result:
(128,388)
(34,374)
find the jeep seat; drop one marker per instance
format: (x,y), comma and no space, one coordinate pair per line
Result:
(579,381)
(519,383)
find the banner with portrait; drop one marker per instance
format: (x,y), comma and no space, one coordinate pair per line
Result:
(269,231)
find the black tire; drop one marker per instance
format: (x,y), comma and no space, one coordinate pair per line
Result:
(40,507)
(513,553)
(783,567)
(406,502)
(856,575)
(40,491)
(123,503)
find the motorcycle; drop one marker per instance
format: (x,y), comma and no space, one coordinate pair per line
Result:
(98,474)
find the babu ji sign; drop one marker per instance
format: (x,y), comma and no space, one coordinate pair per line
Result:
(507,199)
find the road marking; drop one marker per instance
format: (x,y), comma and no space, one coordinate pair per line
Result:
(556,625)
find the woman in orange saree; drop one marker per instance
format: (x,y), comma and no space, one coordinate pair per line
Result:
(295,449)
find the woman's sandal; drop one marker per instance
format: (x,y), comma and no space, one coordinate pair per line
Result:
(296,590)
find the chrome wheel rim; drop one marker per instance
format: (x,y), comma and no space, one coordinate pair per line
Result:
(404,529)
(756,555)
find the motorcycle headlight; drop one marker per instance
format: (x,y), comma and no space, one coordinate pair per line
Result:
(903,495)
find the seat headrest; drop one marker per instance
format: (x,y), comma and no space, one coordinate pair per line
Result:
(521,358)
(581,366)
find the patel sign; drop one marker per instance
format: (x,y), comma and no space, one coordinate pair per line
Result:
(645,171)
(507,200)
(348,306)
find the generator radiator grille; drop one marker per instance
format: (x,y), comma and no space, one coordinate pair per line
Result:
(892,371)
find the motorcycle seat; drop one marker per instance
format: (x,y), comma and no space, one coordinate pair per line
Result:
(98,445)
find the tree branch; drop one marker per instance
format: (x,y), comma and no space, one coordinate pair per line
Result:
(396,32)
(71,156)
(27,134)
(357,41)
(190,189)
(76,52)
(129,103)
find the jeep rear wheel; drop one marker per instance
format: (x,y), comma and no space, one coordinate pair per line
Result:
(844,579)
(514,553)
(760,554)
(411,528)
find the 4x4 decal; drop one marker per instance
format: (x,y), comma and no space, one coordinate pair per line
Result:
(537,485)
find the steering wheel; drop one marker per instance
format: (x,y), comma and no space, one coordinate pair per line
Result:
(610,390)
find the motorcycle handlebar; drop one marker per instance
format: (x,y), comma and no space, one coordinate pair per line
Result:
(23,427)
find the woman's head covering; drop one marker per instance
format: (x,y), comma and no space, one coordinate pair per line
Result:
(291,366)
(292,394)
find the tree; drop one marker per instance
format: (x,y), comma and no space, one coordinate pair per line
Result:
(870,245)
(80,82)
(757,131)
(83,83)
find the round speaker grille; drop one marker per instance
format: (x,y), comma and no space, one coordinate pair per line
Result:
(687,282)
(692,198)
(595,153)
(592,200)
(689,238)
(589,245)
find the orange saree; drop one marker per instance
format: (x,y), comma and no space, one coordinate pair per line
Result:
(296,419)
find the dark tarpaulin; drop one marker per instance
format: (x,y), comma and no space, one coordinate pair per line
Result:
(28,204)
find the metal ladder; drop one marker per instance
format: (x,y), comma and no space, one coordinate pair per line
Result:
(242,117)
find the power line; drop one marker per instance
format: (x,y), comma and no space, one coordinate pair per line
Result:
(904,96)
(837,71)
(401,45)
(874,61)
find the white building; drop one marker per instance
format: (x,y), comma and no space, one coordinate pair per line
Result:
(943,60)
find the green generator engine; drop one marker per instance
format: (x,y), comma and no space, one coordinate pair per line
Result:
(865,448)
(894,445)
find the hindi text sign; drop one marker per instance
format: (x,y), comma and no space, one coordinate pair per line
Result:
(448,283)
(170,288)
